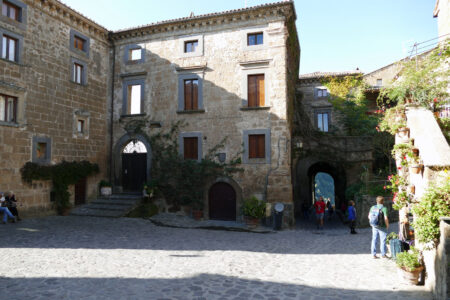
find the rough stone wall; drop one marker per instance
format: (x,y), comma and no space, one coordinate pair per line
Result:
(387,74)
(442,11)
(48,99)
(441,289)
(224,62)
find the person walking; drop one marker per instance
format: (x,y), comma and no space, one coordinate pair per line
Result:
(378,219)
(352,216)
(320,212)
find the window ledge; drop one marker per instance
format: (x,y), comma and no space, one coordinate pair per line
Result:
(132,116)
(78,84)
(245,108)
(13,62)
(192,111)
(9,124)
(257,161)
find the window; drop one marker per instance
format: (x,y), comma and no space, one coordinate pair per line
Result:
(77,73)
(323,119)
(9,48)
(134,96)
(79,43)
(80,126)
(256,90)
(190,46)
(256,146)
(8,109)
(379,82)
(190,148)
(255,39)
(135,54)
(322,93)
(190,94)
(41,150)
(11,11)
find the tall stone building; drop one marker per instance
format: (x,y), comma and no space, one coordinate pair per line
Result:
(71,90)
(54,71)
(228,74)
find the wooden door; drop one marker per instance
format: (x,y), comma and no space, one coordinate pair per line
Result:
(80,192)
(222,202)
(134,171)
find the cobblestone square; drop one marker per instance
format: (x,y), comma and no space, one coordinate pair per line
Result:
(102,258)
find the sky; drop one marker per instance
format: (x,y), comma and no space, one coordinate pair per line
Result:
(335,35)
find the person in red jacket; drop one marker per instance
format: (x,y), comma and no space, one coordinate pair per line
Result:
(320,211)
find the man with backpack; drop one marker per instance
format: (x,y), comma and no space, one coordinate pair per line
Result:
(378,219)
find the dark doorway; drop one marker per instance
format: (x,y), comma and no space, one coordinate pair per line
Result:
(80,192)
(222,202)
(134,171)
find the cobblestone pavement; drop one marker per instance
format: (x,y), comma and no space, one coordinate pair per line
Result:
(100,258)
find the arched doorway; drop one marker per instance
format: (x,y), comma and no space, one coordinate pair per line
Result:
(222,202)
(132,163)
(324,187)
(134,166)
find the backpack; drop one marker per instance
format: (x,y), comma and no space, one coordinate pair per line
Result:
(376,216)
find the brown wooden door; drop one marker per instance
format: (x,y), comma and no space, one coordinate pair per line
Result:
(80,192)
(222,202)
(134,171)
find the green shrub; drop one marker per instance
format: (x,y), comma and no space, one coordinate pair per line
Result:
(391,236)
(254,208)
(408,260)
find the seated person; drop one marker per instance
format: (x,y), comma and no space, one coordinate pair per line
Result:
(5,210)
(11,203)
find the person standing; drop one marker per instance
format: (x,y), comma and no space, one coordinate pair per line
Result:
(320,212)
(352,216)
(378,219)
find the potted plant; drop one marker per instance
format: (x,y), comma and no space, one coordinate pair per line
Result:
(197,208)
(409,265)
(393,120)
(389,237)
(105,188)
(253,210)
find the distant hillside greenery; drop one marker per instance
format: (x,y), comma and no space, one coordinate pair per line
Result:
(324,186)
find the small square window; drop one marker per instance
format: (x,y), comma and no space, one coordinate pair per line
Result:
(190,46)
(256,146)
(134,99)
(79,43)
(41,149)
(80,126)
(379,82)
(11,11)
(135,54)
(8,109)
(77,73)
(322,93)
(9,48)
(255,39)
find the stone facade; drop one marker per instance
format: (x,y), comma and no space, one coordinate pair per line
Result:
(325,149)
(221,63)
(49,102)
(442,12)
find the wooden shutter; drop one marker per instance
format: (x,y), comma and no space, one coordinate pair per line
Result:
(256,90)
(188,94)
(256,146)
(195,94)
(261,90)
(190,148)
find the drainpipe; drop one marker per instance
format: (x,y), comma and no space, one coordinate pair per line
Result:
(113,75)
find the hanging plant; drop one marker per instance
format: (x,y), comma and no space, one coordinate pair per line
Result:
(393,120)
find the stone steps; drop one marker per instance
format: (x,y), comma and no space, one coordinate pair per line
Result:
(115,206)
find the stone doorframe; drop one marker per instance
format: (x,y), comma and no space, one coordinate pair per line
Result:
(117,158)
(236,188)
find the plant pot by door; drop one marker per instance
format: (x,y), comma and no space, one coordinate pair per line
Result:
(410,277)
(197,214)
(251,222)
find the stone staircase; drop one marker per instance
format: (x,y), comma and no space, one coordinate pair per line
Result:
(114,206)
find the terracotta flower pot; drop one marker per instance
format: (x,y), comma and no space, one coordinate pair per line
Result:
(251,222)
(403,133)
(411,277)
(412,189)
(415,151)
(197,214)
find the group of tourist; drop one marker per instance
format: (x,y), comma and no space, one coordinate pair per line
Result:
(8,205)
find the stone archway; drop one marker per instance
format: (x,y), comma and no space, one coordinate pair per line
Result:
(226,181)
(117,161)
(306,171)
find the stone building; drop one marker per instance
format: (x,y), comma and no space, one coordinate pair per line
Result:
(72,90)
(320,144)
(54,70)
(229,74)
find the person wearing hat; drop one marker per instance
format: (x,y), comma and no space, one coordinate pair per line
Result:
(11,203)
(5,210)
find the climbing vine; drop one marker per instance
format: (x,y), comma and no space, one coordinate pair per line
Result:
(62,175)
